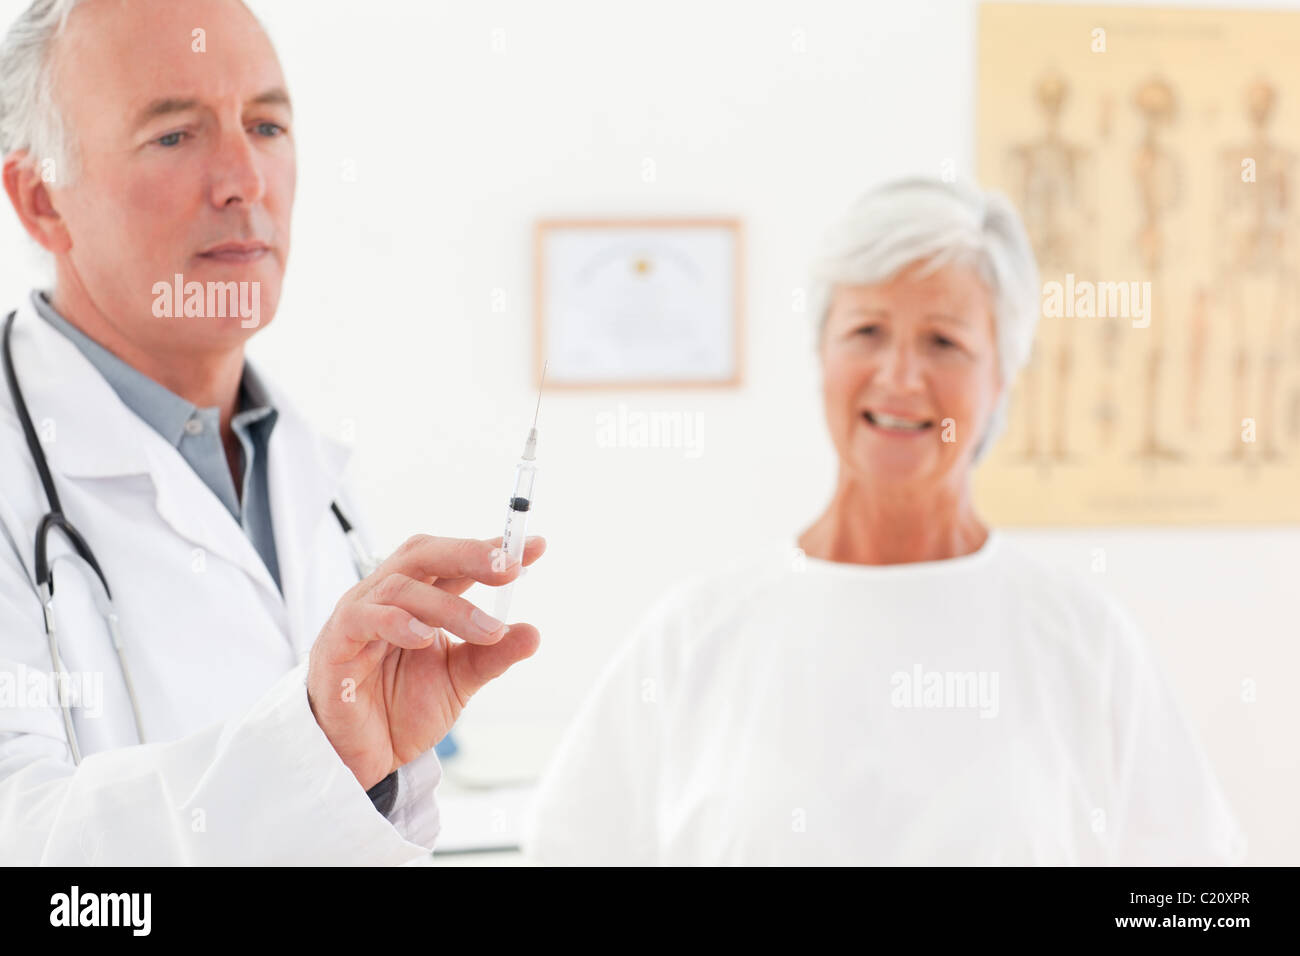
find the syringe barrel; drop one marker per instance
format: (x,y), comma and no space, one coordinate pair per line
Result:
(512,542)
(521,503)
(525,476)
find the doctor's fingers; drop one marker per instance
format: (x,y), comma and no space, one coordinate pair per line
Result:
(473,665)
(428,558)
(534,547)
(424,607)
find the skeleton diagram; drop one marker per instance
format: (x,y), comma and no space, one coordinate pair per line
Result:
(1256,249)
(1053,179)
(1157,176)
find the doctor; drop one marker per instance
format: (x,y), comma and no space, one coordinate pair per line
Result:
(273,699)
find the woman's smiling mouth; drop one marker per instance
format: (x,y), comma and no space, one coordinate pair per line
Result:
(895,424)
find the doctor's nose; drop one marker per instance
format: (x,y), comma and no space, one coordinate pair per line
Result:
(236,172)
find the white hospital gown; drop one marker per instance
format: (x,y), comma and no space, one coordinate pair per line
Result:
(978,710)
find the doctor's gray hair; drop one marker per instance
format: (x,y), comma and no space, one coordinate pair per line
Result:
(935,224)
(29,118)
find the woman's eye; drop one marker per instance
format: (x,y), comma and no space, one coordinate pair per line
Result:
(867,330)
(944,342)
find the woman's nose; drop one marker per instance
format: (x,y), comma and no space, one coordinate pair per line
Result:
(900,367)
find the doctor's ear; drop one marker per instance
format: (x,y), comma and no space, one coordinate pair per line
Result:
(29,184)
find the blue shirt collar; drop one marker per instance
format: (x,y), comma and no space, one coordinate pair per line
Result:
(160,407)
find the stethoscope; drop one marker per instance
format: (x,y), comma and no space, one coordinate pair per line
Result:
(56,519)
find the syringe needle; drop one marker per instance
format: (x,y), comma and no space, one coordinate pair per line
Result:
(539,392)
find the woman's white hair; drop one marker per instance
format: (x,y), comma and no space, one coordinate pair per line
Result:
(29,118)
(938,223)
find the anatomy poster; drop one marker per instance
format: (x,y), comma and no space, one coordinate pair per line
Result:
(1153,155)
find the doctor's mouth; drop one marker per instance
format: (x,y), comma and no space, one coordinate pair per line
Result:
(236,252)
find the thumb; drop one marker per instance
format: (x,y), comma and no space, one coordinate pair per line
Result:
(473,665)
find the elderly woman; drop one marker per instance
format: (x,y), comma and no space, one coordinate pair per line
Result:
(900,685)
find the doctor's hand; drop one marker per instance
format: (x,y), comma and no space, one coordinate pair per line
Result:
(384,681)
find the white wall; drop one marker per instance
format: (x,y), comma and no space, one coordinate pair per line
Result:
(457,149)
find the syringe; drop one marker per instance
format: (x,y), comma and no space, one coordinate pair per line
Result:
(521,502)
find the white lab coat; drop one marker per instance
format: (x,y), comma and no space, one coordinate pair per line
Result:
(235,768)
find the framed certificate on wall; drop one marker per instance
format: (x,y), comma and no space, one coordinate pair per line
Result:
(638,303)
